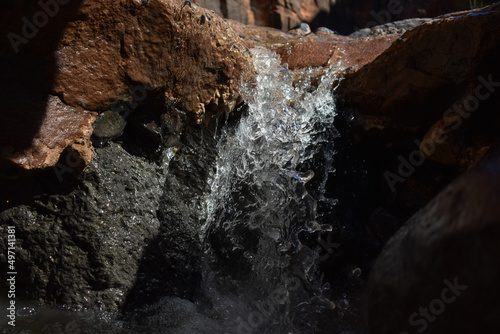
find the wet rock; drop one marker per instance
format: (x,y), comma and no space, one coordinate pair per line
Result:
(81,246)
(398,27)
(92,54)
(444,260)
(299,49)
(121,235)
(181,212)
(108,125)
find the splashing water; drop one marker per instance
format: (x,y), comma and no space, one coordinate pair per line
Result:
(259,276)
(259,203)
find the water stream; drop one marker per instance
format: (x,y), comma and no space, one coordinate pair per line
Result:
(259,204)
(260,271)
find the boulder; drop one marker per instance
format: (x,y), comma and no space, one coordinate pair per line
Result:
(80,245)
(439,273)
(122,234)
(440,78)
(84,56)
(300,48)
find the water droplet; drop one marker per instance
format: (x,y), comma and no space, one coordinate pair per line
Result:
(356,272)
(26,311)
(343,304)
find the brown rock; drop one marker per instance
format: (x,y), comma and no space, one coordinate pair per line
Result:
(33,138)
(427,68)
(183,50)
(322,49)
(300,49)
(95,53)
(452,242)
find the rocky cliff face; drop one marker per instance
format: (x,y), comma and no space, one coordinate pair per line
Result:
(110,123)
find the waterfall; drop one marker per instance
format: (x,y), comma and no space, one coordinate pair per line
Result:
(258,269)
(263,226)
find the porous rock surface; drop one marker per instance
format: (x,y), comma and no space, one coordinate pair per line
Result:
(90,54)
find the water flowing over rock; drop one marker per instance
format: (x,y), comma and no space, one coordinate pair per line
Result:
(259,205)
(138,196)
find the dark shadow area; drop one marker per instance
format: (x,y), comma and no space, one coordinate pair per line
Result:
(31,33)
(346,16)
(171,265)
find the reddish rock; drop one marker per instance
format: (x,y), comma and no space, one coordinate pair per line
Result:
(36,128)
(434,59)
(428,78)
(300,49)
(91,54)
(320,49)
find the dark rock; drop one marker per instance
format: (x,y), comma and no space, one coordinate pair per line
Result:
(123,234)
(109,125)
(439,272)
(82,249)
(427,81)
(398,27)
(400,80)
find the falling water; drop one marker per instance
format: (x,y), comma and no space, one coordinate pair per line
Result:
(258,270)
(260,276)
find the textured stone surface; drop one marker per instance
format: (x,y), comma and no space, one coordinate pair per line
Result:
(435,58)
(299,48)
(429,79)
(454,239)
(35,128)
(82,248)
(123,234)
(91,54)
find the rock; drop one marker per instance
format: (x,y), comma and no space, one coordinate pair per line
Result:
(392,80)
(109,125)
(125,233)
(321,48)
(430,76)
(299,49)
(80,244)
(36,128)
(93,54)
(398,27)
(342,16)
(444,260)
